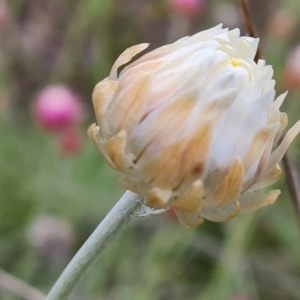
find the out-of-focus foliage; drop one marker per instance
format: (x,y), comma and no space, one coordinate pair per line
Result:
(74,43)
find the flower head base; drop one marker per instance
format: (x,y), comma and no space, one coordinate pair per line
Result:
(192,125)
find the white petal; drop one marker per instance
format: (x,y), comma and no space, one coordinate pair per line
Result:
(125,57)
(251,201)
(277,155)
(221,213)
(189,219)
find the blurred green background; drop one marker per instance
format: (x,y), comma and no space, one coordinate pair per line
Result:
(51,201)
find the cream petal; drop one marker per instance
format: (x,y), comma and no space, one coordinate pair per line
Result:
(149,60)
(126,109)
(226,134)
(93,133)
(251,117)
(166,80)
(179,60)
(270,85)
(155,197)
(247,48)
(262,138)
(159,124)
(262,105)
(189,219)
(278,102)
(221,213)
(277,155)
(102,96)
(283,119)
(180,45)
(154,58)
(230,187)
(116,151)
(257,168)
(227,36)
(162,169)
(125,57)
(203,35)
(251,201)
(212,180)
(190,201)
(99,142)
(265,181)
(195,155)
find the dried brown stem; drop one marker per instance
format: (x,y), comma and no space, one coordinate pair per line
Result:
(292,176)
(292,181)
(249,25)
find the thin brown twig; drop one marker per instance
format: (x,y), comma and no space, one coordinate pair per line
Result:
(292,182)
(19,287)
(292,177)
(249,25)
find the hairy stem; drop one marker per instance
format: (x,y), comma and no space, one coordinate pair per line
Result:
(113,223)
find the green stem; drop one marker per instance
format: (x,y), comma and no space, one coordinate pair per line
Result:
(116,219)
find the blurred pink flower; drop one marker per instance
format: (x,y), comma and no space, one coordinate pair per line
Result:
(4,14)
(70,141)
(57,107)
(187,7)
(282,24)
(291,72)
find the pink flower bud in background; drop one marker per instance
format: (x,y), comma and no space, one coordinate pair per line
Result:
(57,107)
(282,24)
(4,14)
(291,73)
(187,7)
(70,141)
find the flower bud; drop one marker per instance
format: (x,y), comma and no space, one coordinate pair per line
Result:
(56,107)
(192,125)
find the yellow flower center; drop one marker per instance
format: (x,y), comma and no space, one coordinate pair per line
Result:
(235,62)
